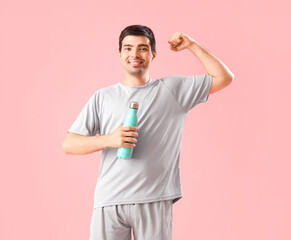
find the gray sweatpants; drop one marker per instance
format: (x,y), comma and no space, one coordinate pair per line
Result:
(149,221)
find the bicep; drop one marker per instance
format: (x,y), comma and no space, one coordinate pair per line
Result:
(219,83)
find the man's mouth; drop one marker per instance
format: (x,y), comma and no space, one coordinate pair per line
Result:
(135,63)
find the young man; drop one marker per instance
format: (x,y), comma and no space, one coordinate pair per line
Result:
(138,194)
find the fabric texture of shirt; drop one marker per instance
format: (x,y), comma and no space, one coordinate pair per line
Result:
(153,172)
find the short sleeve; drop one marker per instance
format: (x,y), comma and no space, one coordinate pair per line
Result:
(189,90)
(87,122)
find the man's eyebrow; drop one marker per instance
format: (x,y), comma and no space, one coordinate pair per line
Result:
(145,45)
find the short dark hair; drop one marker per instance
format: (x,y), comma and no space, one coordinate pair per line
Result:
(138,30)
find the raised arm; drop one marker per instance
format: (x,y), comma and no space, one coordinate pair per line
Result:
(221,75)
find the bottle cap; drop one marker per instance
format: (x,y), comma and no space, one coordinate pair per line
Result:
(134,105)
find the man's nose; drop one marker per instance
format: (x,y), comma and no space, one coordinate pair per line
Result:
(135,53)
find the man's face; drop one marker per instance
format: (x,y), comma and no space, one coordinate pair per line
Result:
(136,54)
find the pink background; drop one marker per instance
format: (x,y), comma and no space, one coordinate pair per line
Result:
(235,156)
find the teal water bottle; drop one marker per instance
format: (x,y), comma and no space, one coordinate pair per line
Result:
(130,120)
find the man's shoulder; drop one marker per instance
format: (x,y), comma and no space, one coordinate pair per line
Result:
(106,90)
(173,80)
(178,80)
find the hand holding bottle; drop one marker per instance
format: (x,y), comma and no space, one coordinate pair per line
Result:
(121,136)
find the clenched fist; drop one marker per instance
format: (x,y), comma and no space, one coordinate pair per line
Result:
(180,41)
(121,136)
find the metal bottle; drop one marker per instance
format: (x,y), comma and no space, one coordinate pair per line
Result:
(130,120)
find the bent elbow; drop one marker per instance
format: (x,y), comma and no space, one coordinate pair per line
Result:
(65,147)
(231,78)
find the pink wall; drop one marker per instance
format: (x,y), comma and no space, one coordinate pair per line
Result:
(55,54)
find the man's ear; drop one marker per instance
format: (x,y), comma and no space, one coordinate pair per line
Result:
(154,55)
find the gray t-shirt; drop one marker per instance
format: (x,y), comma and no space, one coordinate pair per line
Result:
(153,172)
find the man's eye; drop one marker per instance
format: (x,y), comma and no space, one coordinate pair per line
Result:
(143,49)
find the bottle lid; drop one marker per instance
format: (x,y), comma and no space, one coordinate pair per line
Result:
(134,105)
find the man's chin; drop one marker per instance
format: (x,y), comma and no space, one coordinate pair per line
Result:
(136,71)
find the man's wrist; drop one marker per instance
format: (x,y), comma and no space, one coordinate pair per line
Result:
(105,141)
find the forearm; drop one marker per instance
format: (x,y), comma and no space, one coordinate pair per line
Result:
(212,64)
(78,144)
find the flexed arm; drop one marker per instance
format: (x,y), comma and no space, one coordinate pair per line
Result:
(221,75)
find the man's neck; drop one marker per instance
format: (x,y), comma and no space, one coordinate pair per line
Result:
(135,80)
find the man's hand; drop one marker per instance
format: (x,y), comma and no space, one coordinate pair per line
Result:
(180,41)
(121,135)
